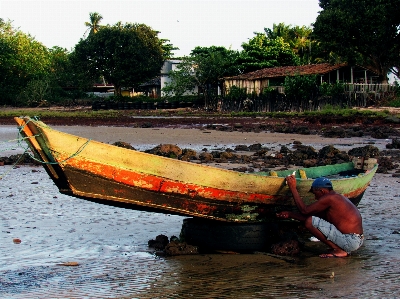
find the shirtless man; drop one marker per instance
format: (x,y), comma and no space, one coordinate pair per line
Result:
(333,218)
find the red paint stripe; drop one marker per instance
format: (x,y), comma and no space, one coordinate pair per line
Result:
(158,184)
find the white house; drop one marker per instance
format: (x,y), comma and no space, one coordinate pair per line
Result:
(171,65)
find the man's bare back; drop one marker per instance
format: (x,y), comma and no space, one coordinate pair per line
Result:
(342,213)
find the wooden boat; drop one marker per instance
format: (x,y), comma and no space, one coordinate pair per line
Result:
(109,174)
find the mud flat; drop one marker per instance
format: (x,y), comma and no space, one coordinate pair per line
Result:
(54,245)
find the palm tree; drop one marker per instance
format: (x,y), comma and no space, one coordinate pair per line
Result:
(299,39)
(94,24)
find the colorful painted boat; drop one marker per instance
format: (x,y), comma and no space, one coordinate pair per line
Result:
(113,175)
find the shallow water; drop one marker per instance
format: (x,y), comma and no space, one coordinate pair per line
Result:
(110,245)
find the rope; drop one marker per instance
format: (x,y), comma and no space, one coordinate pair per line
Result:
(27,152)
(80,149)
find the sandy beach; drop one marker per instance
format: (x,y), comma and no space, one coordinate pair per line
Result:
(56,246)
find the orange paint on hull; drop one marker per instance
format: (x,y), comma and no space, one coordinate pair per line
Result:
(158,184)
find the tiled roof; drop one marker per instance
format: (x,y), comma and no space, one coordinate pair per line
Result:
(283,71)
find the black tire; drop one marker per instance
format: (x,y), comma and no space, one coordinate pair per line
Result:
(226,236)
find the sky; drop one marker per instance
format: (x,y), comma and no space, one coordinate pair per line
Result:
(186,23)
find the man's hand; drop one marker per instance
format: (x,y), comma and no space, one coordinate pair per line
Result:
(291,181)
(283,215)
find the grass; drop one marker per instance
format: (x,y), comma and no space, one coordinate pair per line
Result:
(48,113)
(89,113)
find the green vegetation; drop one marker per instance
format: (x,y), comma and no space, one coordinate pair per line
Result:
(363,32)
(129,54)
(41,113)
(262,52)
(104,114)
(124,55)
(22,59)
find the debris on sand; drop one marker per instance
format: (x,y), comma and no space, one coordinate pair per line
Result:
(288,243)
(286,248)
(69,264)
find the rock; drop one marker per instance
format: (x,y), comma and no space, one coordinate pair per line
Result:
(255,147)
(174,248)
(124,145)
(227,155)
(310,162)
(392,119)
(240,169)
(335,132)
(385,164)
(188,154)
(367,151)
(328,152)
(242,148)
(147,125)
(395,143)
(303,130)
(159,243)
(284,149)
(19,159)
(206,157)
(379,134)
(166,150)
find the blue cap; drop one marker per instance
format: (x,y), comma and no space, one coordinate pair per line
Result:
(321,183)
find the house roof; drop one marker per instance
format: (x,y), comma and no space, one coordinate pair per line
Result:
(284,71)
(153,82)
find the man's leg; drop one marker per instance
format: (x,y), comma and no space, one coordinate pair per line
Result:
(337,251)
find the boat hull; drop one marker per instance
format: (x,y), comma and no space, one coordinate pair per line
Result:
(112,175)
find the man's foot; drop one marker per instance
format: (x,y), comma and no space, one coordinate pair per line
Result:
(334,253)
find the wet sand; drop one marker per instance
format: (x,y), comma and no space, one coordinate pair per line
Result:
(110,244)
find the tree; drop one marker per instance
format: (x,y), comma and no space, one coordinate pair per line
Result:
(299,39)
(94,24)
(22,59)
(204,67)
(301,90)
(125,54)
(364,32)
(262,51)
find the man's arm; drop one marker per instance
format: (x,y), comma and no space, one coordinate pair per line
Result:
(291,181)
(312,209)
(290,214)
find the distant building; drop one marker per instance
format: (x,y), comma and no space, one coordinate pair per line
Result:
(274,77)
(153,88)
